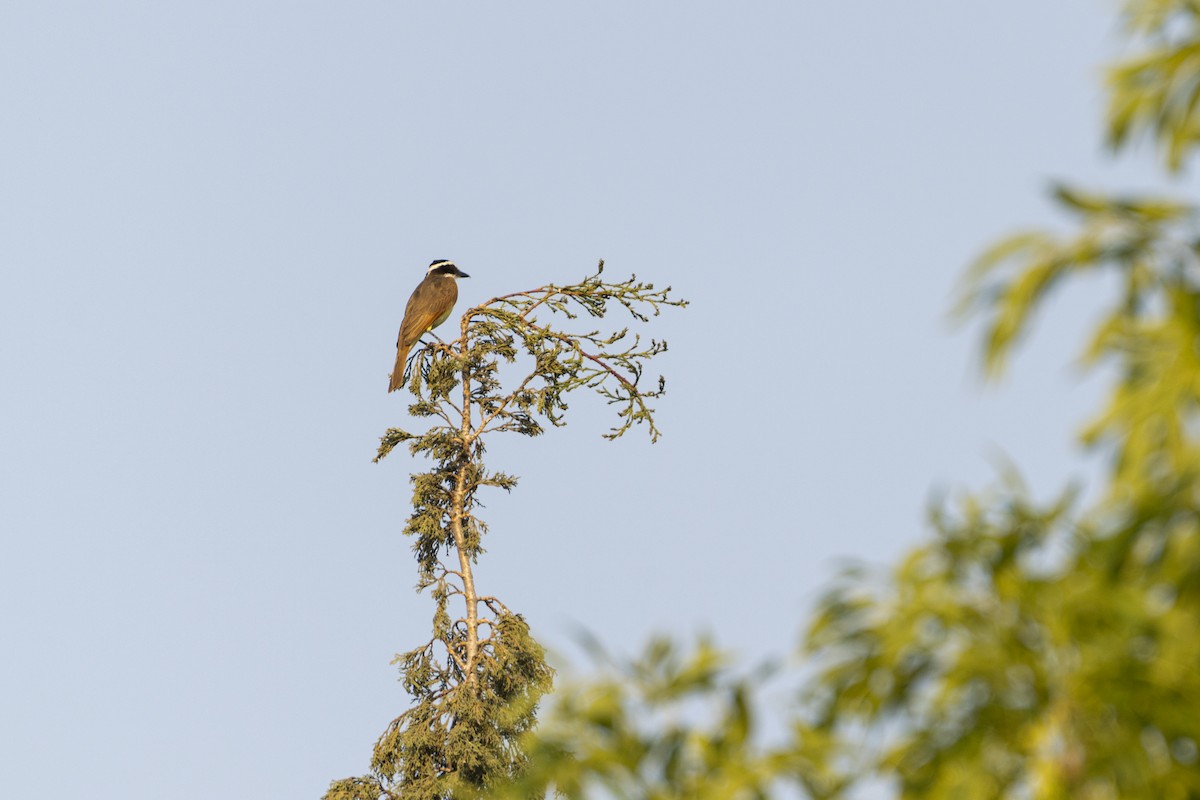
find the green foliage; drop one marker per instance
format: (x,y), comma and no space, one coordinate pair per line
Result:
(1031,648)
(476,683)
(1156,91)
(1045,650)
(670,724)
(1024,652)
(1147,333)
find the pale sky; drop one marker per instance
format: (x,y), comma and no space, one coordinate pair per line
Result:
(211,215)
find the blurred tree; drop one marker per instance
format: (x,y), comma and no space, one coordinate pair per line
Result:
(477,682)
(1030,649)
(672,724)
(1044,650)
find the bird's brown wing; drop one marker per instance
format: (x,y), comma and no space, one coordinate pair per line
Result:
(430,304)
(428,307)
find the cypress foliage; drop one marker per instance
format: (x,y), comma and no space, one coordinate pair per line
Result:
(476,683)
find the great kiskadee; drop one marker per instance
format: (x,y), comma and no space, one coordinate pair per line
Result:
(430,306)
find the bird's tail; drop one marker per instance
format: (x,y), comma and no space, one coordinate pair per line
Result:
(398,371)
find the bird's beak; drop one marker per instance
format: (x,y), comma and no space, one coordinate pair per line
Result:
(462,274)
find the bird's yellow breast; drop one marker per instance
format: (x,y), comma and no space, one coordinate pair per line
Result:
(440,319)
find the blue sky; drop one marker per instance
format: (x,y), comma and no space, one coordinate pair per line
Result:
(213,214)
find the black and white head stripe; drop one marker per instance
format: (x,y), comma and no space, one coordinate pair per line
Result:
(445,267)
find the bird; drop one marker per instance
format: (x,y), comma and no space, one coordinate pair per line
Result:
(430,306)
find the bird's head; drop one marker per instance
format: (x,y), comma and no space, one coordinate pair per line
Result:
(443,268)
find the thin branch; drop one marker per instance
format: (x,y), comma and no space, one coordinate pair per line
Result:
(503,405)
(574,345)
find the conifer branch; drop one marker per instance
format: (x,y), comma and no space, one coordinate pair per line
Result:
(473,704)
